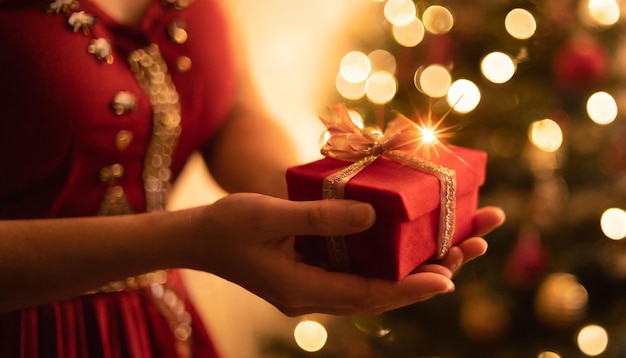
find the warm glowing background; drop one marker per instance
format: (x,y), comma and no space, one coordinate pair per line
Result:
(295,48)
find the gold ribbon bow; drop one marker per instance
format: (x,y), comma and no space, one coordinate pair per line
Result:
(400,141)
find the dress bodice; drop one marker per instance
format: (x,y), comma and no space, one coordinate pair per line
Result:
(69,113)
(86,105)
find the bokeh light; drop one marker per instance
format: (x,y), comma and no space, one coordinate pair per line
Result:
(548,354)
(409,35)
(463,96)
(355,66)
(592,340)
(561,301)
(381,87)
(434,80)
(602,108)
(613,223)
(400,12)
(437,20)
(546,135)
(356,118)
(347,90)
(603,12)
(520,24)
(382,60)
(498,67)
(310,335)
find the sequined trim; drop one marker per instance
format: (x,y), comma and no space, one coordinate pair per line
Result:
(173,309)
(133,283)
(151,72)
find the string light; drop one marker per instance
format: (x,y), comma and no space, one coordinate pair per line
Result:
(561,300)
(602,108)
(381,87)
(592,340)
(399,12)
(409,35)
(347,90)
(310,336)
(355,66)
(463,96)
(434,80)
(382,60)
(613,223)
(498,67)
(520,24)
(546,135)
(437,20)
(603,12)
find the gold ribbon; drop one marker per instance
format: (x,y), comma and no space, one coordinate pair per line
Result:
(399,142)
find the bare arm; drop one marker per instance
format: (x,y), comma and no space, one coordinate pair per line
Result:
(252,152)
(244,238)
(49,259)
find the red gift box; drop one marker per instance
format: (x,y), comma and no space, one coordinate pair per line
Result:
(407,200)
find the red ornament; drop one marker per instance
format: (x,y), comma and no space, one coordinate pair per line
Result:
(528,262)
(580,64)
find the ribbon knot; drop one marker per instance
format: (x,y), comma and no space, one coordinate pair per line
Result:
(348,142)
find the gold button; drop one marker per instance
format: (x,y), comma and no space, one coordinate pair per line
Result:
(117,191)
(183,63)
(109,173)
(123,139)
(177,32)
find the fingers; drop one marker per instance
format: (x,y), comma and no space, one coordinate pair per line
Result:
(473,248)
(453,259)
(275,217)
(346,294)
(464,252)
(435,268)
(487,219)
(332,217)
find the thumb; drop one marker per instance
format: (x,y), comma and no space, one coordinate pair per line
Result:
(265,216)
(324,217)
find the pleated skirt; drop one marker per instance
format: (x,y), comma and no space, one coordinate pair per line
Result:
(156,320)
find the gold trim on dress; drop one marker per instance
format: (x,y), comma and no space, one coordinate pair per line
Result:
(151,73)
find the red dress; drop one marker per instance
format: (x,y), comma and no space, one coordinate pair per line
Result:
(97,118)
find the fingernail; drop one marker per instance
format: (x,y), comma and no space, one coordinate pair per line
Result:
(451,287)
(361,215)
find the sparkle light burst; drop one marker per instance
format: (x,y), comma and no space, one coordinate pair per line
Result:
(432,132)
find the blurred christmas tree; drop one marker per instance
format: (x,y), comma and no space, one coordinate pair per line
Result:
(543,84)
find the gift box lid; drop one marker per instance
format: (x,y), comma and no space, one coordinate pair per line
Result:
(387,184)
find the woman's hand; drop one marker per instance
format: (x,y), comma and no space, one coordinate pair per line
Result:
(486,219)
(251,243)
